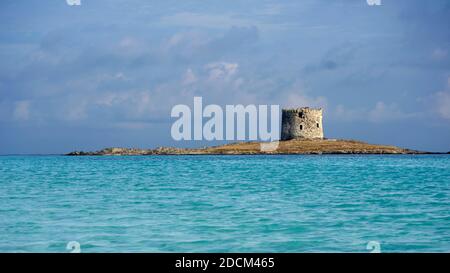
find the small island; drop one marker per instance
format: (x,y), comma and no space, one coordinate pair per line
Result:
(295,146)
(301,133)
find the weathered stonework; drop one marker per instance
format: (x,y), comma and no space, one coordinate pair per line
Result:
(301,123)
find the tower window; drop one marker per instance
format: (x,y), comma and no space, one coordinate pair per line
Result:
(301,127)
(317,125)
(300,114)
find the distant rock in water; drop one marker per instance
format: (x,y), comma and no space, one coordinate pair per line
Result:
(296,146)
(131,151)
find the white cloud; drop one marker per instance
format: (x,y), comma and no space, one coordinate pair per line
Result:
(189,77)
(439,54)
(190,19)
(442,102)
(343,113)
(108,77)
(128,42)
(298,99)
(131,46)
(221,70)
(186,41)
(270,9)
(75,111)
(383,112)
(295,96)
(22,111)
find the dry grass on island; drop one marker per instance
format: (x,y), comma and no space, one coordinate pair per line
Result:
(297,146)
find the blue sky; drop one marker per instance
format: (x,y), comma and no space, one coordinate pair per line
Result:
(107,72)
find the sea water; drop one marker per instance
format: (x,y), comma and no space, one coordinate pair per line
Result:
(225,203)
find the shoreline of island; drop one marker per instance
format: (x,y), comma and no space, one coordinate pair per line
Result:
(285,147)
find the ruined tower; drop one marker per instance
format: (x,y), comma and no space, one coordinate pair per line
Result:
(301,123)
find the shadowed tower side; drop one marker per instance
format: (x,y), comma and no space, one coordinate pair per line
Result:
(301,123)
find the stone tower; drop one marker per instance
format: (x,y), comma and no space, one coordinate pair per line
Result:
(301,123)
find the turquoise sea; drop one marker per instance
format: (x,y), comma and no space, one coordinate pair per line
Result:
(225,203)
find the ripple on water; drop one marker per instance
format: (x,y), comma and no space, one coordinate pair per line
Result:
(225,203)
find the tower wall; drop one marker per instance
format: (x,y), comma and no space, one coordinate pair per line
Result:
(301,123)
